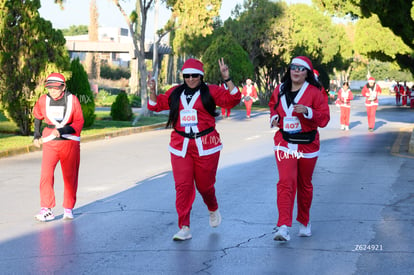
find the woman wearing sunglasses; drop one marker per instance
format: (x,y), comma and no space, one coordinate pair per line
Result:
(297,108)
(195,144)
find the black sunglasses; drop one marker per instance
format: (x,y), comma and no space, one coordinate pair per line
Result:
(294,67)
(191,75)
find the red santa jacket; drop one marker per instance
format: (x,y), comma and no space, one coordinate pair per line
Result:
(345,97)
(398,89)
(371,94)
(209,143)
(51,115)
(318,116)
(249,94)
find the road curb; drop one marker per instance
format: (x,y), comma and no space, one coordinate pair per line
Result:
(123,132)
(411,143)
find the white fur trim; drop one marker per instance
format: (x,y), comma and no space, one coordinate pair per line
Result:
(299,61)
(192,71)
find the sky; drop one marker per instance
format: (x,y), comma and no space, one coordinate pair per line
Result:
(76,12)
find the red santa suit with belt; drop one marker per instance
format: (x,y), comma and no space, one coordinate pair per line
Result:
(64,114)
(249,96)
(345,97)
(195,160)
(405,95)
(296,162)
(371,94)
(398,89)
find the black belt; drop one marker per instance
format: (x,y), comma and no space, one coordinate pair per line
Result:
(51,126)
(195,135)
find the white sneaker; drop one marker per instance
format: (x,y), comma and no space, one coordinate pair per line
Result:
(342,127)
(305,231)
(183,234)
(347,128)
(282,234)
(45,215)
(67,214)
(215,218)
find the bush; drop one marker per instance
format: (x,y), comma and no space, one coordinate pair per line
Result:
(79,85)
(114,73)
(121,109)
(104,98)
(135,101)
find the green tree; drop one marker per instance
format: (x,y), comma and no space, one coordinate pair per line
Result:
(78,85)
(75,30)
(235,57)
(121,108)
(29,50)
(397,15)
(193,18)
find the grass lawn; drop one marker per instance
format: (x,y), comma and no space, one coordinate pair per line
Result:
(9,139)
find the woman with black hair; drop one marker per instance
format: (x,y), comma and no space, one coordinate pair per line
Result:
(195,144)
(298,108)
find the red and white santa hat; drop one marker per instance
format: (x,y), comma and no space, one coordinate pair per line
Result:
(55,80)
(371,79)
(192,66)
(316,74)
(303,61)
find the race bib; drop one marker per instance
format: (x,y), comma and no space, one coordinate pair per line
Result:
(188,117)
(56,112)
(292,125)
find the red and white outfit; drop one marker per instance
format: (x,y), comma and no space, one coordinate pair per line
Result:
(412,98)
(345,97)
(405,95)
(64,114)
(371,94)
(398,90)
(249,93)
(296,162)
(224,110)
(195,158)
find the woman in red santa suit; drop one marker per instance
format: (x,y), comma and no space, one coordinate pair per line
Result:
(249,96)
(345,96)
(371,91)
(195,144)
(297,108)
(62,113)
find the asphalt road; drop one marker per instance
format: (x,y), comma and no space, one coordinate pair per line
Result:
(362,213)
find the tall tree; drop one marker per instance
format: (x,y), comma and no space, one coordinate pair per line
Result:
(29,50)
(93,59)
(193,18)
(397,15)
(137,24)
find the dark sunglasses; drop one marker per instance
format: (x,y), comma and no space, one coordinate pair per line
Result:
(297,67)
(191,75)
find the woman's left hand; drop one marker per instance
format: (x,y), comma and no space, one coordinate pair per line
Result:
(300,109)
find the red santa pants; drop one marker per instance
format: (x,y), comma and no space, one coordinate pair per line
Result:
(294,174)
(371,110)
(404,100)
(345,114)
(248,104)
(223,112)
(68,153)
(189,170)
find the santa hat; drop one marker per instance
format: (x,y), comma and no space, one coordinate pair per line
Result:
(316,73)
(371,79)
(192,66)
(303,61)
(55,80)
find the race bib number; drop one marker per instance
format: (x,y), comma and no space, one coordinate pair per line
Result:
(292,125)
(56,112)
(188,118)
